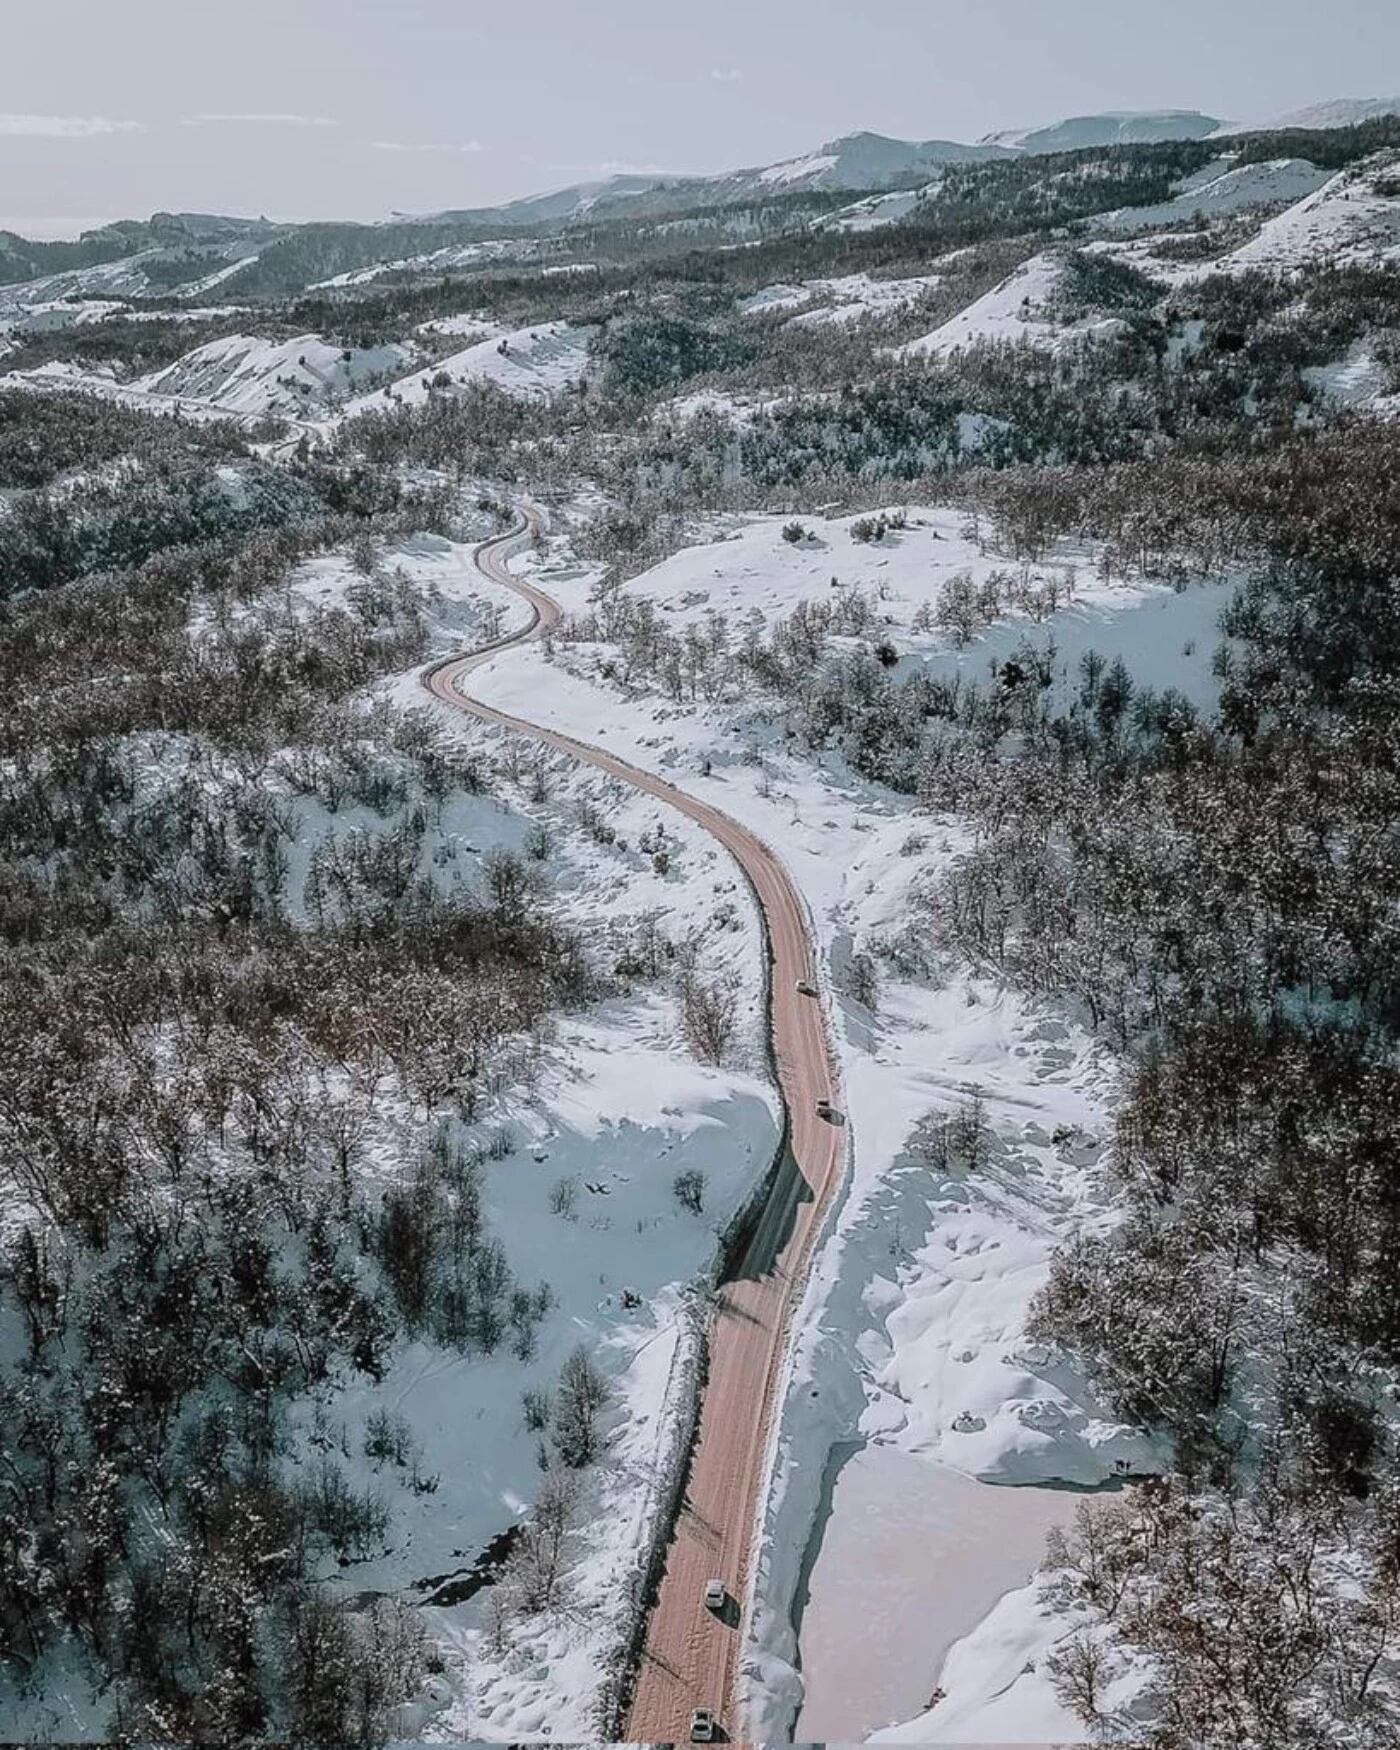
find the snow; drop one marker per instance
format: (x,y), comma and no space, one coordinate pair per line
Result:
(877,1626)
(779,297)
(477,324)
(445,260)
(1221,188)
(1356,380)
(1018,311)
(739,409)
(1336,112)
(911,1334)
(198,288)
(847,298)
(1119,127)
(799,169)
(879,209)
(857,295)
(1353,217)
(530,362)
(301,377)
(997,1691)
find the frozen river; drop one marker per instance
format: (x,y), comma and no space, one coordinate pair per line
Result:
(912,1557)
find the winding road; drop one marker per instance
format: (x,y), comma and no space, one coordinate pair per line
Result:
(691,1654)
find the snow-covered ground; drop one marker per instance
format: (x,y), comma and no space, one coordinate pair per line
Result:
(911,1333)
(1222,188)
(1358,380)
(848,298)
(618,1109)
(875,1624)
(1353,217)
(877,210)
(538,361)
(1021,310)
(300,378)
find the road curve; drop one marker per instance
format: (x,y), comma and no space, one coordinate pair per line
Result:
(691,1655)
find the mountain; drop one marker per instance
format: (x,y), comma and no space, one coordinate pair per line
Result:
(140,256)
(861,161)
(1144,127)
(1336,112)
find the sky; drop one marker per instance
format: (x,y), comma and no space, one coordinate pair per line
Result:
(360,108)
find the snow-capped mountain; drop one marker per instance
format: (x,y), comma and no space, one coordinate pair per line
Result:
(1336,112)
(1113,128)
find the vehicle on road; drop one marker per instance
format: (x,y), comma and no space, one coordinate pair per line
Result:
(702,1726)
(805,988)
(826,1110)
(715,1595)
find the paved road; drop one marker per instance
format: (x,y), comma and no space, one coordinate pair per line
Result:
(691,1656)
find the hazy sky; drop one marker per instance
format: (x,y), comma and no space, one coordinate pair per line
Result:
(356,108)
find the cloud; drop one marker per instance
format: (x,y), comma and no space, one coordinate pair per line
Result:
(63,127)
(257,120)
(726,75)
(427,146)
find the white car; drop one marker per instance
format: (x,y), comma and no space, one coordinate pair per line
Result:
(702,1726)
(715,1595)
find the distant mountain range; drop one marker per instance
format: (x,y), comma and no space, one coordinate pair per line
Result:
(192,254)
(861,161)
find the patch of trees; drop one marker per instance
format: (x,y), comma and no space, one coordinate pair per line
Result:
(1220,893)
(650,351)
(133,348)
(43,436)
(200,1052)
(184,504)
(1260,1628)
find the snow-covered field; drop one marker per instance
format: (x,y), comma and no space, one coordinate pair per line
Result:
(911,1334)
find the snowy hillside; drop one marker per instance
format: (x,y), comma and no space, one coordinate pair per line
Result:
(863,160)
(1353,217)
(1113,128)
(878,209)
(1221,188)
(533,362)
(300,378)
(1337,112)
(847,298)
(1021,310)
